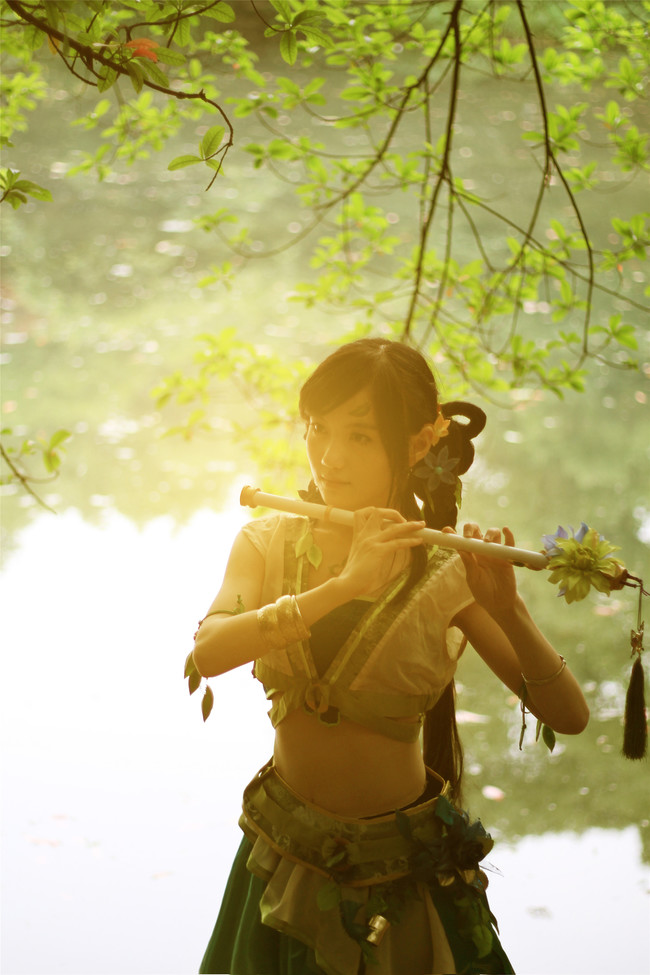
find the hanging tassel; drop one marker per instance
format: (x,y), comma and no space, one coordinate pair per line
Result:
(635,733)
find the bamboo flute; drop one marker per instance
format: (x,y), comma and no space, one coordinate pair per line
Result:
(253,498)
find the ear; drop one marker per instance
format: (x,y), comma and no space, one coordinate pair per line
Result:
(420,443)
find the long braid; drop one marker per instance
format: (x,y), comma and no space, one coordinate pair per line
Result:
(441,742)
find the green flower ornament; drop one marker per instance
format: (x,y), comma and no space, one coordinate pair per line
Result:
(580,560)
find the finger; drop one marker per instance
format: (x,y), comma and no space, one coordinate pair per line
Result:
(492,535)
(508,536)
(378,515)
(401,543)
(402,530)
(471,530)
(390,514)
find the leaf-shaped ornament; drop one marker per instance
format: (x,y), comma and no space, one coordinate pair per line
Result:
(207,702)
(190,666)
(548,737)
(314,555)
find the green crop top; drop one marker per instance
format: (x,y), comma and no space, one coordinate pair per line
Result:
(386,665)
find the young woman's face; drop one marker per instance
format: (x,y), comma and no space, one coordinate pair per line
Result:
(347,458)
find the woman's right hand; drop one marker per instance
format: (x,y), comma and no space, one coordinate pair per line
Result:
(381,540)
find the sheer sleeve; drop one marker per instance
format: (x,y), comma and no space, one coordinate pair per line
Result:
(268,536)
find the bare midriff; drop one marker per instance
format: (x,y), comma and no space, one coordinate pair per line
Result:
(347,769)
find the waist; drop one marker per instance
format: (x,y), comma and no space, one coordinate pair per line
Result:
(347,768)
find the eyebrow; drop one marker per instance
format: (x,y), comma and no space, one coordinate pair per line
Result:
(361,426)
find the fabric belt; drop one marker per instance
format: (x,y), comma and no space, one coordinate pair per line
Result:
(356,852)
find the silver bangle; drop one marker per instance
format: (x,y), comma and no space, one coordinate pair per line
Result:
(532,682)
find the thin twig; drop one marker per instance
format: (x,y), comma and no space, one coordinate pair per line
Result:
(444,171)
(25,479)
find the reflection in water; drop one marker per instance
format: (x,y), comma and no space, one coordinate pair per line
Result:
(121,805)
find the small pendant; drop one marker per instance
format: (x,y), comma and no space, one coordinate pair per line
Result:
(379,925)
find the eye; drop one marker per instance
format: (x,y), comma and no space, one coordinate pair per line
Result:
(316,428)
(361,438)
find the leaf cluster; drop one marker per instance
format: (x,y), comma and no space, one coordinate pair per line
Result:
(357,108)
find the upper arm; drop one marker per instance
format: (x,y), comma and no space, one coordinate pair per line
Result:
(491,643)
(243,578)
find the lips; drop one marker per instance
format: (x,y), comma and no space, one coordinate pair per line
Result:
(331,482)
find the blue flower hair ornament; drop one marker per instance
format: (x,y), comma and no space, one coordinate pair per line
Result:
(435,469)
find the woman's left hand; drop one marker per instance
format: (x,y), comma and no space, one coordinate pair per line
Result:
(492,581)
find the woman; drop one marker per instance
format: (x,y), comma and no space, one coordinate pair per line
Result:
(355,857)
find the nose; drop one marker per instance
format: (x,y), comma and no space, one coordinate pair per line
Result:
(332,456)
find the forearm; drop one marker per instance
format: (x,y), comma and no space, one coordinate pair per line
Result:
(225,641)
(552,692)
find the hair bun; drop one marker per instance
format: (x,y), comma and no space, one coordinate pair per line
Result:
(460,435)
(474,414)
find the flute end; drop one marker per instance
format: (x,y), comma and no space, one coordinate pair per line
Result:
(247,496)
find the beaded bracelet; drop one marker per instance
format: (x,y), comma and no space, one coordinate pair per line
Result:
(545,680)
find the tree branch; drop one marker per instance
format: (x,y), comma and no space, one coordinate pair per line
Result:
(88,55)
(444,172)
(552,159)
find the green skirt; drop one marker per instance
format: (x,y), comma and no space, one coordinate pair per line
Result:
(240,943)
(277,916)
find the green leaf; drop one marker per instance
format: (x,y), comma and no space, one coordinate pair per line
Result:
(314,556)
(58,438)
(548,737)
(194,681)
(626,335)
(306,17)
(222,12)
(289,47)
(303,544)
(328,896)
(183,34)
(15,199)
(212,140)
(155,74)
(167,56)
(136,74)
(107,79)
(33,189)
(207,703)
(180,162)
(50,462)
(283,9)
(315,36)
